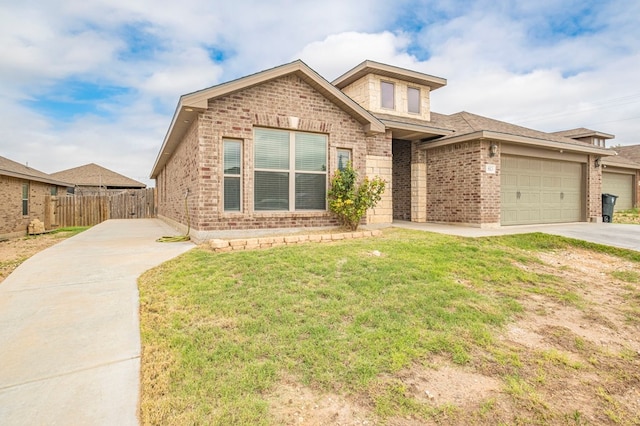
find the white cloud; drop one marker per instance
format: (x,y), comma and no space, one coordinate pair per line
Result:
(338,53)
(501,60)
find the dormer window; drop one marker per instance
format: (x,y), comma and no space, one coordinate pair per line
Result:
(387,95)
(413,100)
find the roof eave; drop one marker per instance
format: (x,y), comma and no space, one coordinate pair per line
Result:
(370,67)
(34,178)
(191,105)
(519,140)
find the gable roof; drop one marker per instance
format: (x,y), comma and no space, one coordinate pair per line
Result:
(469,126)
(372,67)
(629,151)
(621,161)
(583,132)
(95,175)
(21,171)
(190,105)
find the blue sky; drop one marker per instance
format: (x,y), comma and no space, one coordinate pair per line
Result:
(86,81)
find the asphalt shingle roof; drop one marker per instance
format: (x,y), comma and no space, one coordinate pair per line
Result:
(95,175)
(22,171)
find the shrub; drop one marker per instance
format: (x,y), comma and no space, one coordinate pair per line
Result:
(350,201)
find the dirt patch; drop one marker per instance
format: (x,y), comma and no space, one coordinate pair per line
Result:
(560,362)
(16,250)
(294,404)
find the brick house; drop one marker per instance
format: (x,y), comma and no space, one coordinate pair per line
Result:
(621,176)
(22,197)
(258,152)
(92,179)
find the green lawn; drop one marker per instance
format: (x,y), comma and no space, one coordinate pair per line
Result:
(220,331)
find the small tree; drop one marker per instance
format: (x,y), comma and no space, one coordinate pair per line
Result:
(348,200)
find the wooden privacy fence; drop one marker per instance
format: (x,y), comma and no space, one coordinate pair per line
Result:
(89,210)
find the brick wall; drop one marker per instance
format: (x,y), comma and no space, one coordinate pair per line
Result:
(402,180)
(12,222)
(179,179)
(594,190)
(489,185)
(285,103)
(454,179)
(636,183)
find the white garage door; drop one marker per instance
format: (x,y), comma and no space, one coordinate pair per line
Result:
(535,190)
(620,185)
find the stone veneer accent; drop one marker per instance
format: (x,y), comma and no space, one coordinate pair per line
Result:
(220,245)
(381,166)
(367,92)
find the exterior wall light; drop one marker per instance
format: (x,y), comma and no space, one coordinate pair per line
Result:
(493,150)
(597,162)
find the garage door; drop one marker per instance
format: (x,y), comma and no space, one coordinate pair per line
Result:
(620,185)
(535,190)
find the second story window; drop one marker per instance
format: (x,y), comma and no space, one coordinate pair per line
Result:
(413,100)
(387,95)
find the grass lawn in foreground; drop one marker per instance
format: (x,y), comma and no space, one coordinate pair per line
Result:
(221,331)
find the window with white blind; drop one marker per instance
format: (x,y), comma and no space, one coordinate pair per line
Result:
(290,170)
(232,189)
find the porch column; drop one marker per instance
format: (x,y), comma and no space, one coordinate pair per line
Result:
(418,185)
(382,167)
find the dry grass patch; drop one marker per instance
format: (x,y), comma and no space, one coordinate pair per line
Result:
(529,329)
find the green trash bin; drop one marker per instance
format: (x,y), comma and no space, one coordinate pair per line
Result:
(608,201)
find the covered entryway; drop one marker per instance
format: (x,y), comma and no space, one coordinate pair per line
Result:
(537,190)
(621,185)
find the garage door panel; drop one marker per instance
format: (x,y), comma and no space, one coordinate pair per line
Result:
(549,191)
(620,185)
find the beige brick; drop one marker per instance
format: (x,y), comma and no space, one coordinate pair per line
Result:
(218,244)
(238,243)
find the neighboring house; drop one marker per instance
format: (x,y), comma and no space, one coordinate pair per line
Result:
(259,152)
(92,179)
(621,176)
(22,197)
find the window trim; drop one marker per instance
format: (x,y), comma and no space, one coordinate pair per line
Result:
(393,95)
(417,89)
(233,176)
(292,172)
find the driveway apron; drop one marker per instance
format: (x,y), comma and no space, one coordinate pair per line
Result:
(69,326)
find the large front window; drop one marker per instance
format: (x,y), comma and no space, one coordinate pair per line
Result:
(290,170)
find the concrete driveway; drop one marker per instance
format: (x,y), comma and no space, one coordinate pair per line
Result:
(69,326)
(611,234)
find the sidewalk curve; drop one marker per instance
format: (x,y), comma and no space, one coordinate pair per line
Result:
(69,326)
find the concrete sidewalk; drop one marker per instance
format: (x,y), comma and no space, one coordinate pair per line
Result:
(69,326)
(611,234)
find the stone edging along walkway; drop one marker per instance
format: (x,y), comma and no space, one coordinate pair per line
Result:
(218,245)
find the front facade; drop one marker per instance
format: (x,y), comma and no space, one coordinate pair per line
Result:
(23,194)
(259,152)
